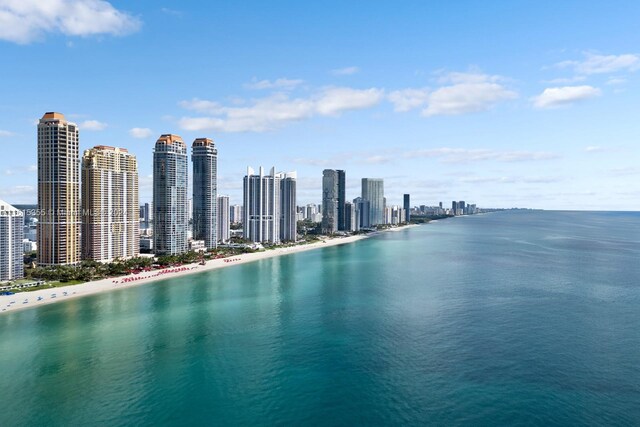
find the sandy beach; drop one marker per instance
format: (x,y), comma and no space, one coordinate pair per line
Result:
(24,300)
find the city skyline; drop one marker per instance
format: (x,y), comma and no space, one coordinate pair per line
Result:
(451,111)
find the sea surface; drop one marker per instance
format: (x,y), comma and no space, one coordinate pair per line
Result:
(512,318)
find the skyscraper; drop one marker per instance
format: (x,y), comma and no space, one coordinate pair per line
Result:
(170,176)
(110,211)
(330,192)
(269,206)
(236,214)
(224,220)
(58,234)
(261,196)
(11,234)
(204,157)
(341,200)
(288,222)
(373,191)
(407,208)
(362,212)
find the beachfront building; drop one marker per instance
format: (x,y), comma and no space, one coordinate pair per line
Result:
(407,208)
(170,177)
(333,200)
(236,214)
(224,220)
(110,211)
(362,215)
(58,229)
(288,220)
(261,197)
(11,236)
(204,157)
(269,206)
(373,191)
(350,217)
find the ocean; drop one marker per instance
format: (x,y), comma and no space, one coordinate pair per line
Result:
(509,318)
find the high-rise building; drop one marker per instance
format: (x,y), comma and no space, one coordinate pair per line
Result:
(407,208)
(58,232)
(333,200)
(462,208)
(224,220)
(110,211)
(11,235)
(373,191)
(454,208)
(288,220)
(341,200)
(145,215)
(204,157)
(269,206)
(350,217)
(170,177)
(261,197)
(330,191)
(236,214)
(362,212)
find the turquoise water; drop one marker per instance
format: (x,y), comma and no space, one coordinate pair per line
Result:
(509,318)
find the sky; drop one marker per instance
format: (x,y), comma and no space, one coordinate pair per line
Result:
(499,103)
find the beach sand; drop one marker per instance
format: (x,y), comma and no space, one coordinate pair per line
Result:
(24,300)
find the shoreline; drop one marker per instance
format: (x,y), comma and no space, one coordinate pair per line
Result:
(40,297)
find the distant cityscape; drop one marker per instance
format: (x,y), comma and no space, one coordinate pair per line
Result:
(88,207)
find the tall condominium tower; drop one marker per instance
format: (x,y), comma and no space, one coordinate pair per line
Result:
(362,209)
(170,176)
(288,222)
(11,234)
(269,210)
(110,211)
(373,191)
(236,214)
(204,157)
(407,208)
(261,195)
(333,200)
(224,219)
(58,234)
(329,201)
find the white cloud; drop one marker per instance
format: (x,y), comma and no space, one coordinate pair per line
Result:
(21,170)
(140,132)
(467,93)
(593,149)
(566,80)
(24,21)
(333,101)
(268,113)
(465,155)
(92,125)
(616,81)
(347,71)
(5,133)
(408,99)
(555,97)
(511,179)
(602,64)
(283,83)
(172,12)
(19,194)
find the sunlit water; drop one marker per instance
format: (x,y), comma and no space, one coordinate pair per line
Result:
(508,318)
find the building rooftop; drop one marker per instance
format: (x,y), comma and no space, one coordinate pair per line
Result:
(203,142)
(169,138)
(6,207)
(53,116)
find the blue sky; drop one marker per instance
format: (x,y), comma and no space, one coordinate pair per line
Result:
(501,103)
